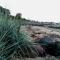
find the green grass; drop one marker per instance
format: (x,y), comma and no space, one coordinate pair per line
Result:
(13,41)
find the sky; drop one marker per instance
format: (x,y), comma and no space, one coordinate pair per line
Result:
(38,10)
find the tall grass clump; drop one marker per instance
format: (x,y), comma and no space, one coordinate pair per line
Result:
(13,41)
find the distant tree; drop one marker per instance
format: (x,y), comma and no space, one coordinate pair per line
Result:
(4,11)
(18,16)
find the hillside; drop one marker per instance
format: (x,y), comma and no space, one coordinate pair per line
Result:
(27,39)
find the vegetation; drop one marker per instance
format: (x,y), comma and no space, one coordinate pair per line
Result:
(12,40)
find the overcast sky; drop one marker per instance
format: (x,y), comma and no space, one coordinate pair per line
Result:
(41,10)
